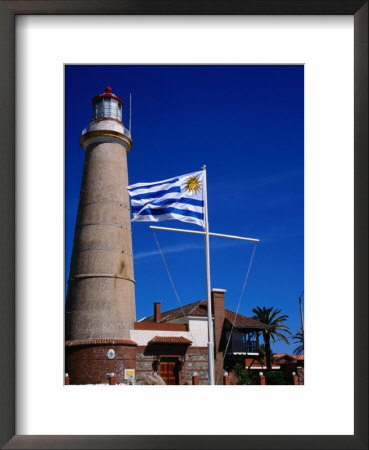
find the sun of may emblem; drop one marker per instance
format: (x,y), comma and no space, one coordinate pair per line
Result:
(193,185)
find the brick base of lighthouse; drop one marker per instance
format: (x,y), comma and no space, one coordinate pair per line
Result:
(92,361)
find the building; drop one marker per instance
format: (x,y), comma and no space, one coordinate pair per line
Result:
(103,341)
(174,342)
(290,364)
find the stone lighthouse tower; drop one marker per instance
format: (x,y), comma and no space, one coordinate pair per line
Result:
(100,308)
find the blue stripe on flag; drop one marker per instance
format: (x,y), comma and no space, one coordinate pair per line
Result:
(156,194)
(150,185)
(169,201)
(161,211)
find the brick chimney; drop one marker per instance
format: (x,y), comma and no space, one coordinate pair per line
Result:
(218,310)
(157,312)
(217,301)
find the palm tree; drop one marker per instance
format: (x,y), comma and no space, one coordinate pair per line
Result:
(276,327)
(299,339)
(262,354)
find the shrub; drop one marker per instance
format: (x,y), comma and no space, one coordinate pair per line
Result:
(275,377)
(243,376)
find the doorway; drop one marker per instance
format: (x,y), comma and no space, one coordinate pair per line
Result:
(168,370)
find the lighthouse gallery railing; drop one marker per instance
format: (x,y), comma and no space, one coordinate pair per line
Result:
(123,130)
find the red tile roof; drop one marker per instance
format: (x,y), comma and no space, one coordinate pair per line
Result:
(199,309)
(170,340)
(77,342)
(240,321)
(279,357)
(192,309)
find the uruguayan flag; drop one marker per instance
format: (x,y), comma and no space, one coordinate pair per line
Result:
(178,198)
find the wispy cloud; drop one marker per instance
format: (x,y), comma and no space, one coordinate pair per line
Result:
(167,250)
(179,248)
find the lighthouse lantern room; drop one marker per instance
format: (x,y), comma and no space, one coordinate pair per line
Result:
(107,105)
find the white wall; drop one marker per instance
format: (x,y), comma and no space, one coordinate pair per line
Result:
(142,337)
(198,328)
(198,332)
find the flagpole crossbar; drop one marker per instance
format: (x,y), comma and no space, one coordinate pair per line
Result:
(202,232)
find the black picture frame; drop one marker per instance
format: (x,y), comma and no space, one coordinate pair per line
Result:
(8,11)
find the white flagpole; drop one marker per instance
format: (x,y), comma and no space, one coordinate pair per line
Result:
(208,286)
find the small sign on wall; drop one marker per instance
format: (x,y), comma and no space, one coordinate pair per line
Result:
(129,375)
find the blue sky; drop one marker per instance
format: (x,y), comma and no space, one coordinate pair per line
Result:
(246,123)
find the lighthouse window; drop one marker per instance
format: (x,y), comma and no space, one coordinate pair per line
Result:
(119,111)
(108,108)
(114,109)
(99,109)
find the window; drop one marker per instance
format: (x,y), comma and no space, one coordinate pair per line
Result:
(108,107)
(99,111)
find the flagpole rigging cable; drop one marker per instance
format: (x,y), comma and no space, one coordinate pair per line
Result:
(239,303)
(153,228)
(174,288)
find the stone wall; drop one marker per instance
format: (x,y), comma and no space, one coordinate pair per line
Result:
(193,360)
(301,375)
(196,361)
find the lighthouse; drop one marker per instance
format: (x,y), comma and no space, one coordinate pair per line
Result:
(100,307)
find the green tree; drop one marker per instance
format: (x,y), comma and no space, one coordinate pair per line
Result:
(276,328)
(299,339)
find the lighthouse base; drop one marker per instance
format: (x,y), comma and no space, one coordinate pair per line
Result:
(95,361)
